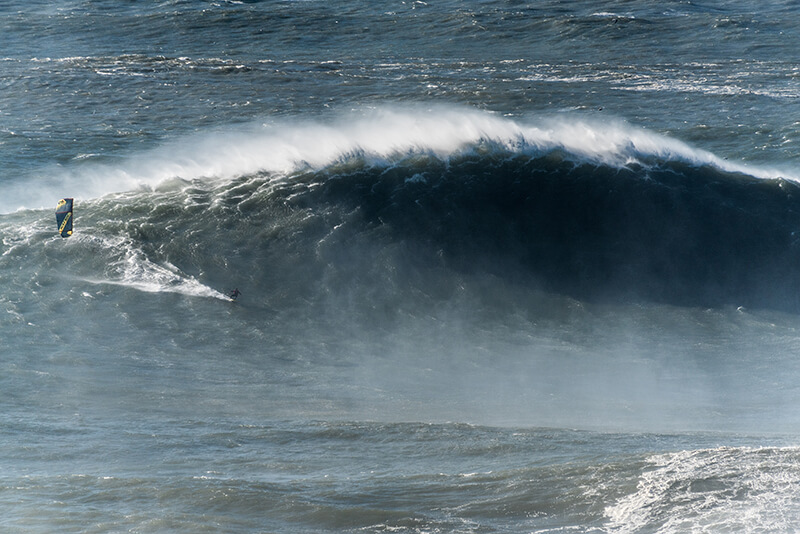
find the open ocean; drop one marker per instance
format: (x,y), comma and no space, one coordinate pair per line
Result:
(505,266)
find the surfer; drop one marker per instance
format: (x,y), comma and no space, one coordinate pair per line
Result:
(235,294)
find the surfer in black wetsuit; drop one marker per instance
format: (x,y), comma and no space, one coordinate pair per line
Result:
(235,293)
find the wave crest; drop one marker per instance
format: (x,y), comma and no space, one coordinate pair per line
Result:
(284,146)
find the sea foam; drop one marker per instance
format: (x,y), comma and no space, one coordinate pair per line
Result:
(282,146)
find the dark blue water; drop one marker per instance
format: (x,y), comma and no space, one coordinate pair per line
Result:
(504,267)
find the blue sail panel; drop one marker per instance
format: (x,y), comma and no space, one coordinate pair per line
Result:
(64,217)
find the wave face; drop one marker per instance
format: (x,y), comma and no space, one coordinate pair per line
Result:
(398,204)
(669,231)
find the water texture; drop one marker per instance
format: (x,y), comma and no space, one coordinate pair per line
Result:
(504,267)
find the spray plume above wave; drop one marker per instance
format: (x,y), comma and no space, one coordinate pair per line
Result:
(380,136)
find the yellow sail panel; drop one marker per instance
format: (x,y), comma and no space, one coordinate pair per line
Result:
(64,217)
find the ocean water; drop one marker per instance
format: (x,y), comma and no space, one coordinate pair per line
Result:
(504,266)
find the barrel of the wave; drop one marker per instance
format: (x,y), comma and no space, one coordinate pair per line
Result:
(64,217)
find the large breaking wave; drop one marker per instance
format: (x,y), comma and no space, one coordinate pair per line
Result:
(401,209)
